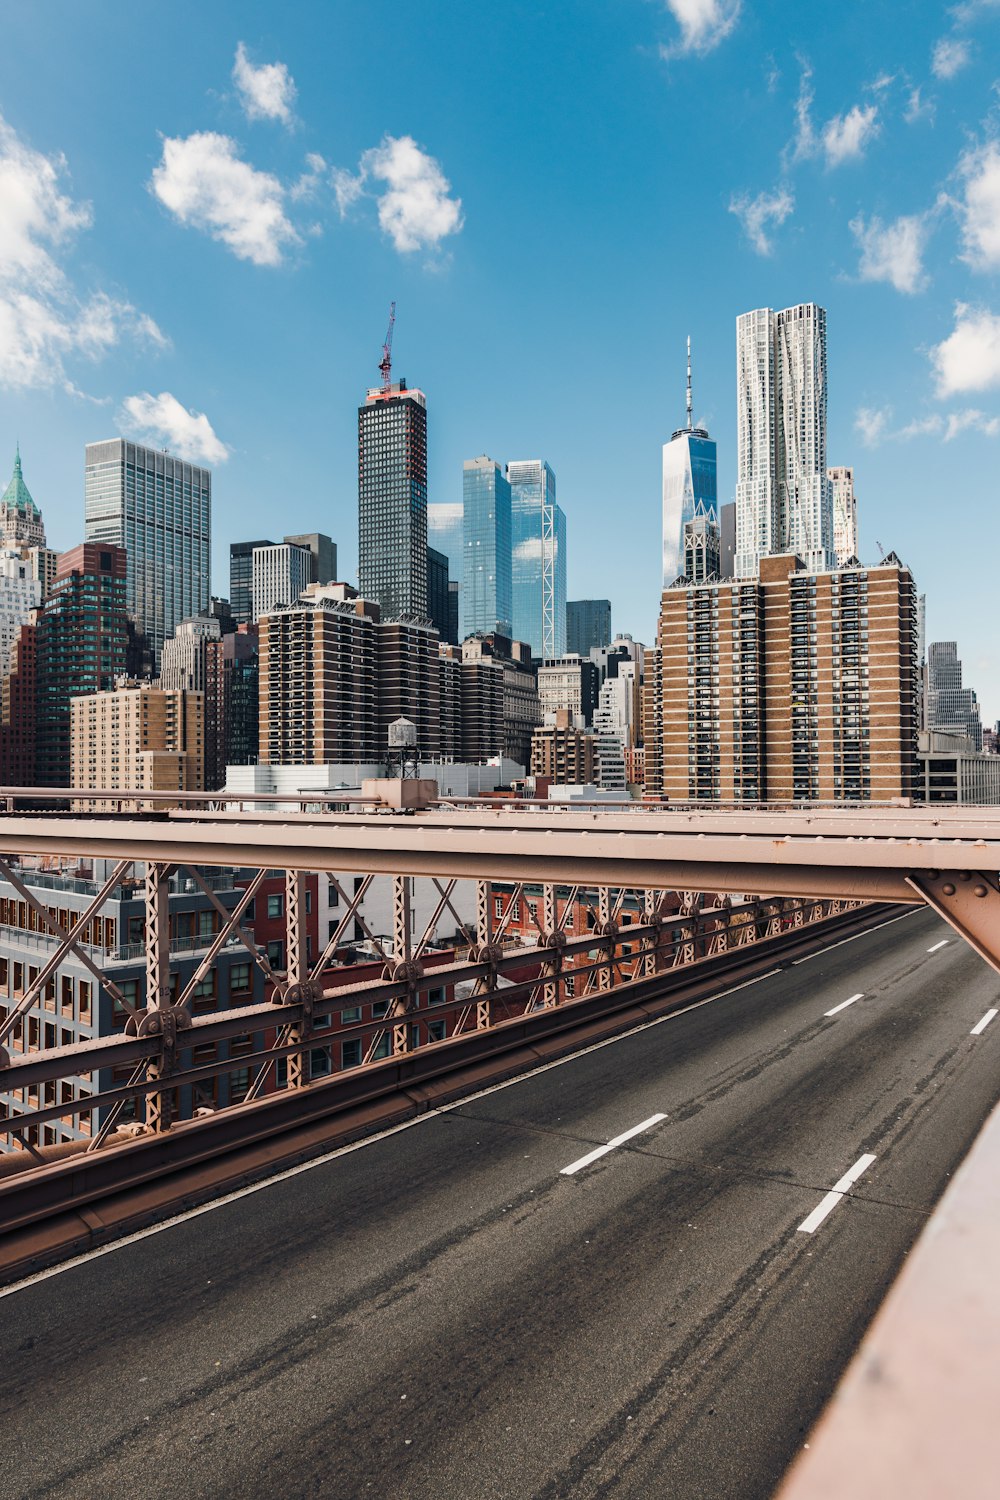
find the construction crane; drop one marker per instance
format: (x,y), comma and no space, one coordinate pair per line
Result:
(878,544)
(385,364)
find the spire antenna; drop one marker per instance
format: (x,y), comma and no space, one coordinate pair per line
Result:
(690,408)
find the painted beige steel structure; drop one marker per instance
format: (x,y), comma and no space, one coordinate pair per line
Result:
(948,859)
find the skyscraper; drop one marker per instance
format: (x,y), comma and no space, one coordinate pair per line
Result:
(20,519)
(439,610)
(486,548)
(241,578)
(445,534)
(784,501)
(845,514)
(160,510)
(392,500)
(950,706)
(538,559)
(588,624)
(689,485)
(324,555)
(280,573)
(82,646)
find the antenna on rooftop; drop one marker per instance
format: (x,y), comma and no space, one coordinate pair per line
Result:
(690,408)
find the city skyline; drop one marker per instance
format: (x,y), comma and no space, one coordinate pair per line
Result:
(854,177)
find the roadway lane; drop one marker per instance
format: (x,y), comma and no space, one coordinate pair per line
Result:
(443,1312)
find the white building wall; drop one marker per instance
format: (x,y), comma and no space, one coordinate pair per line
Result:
(20,593)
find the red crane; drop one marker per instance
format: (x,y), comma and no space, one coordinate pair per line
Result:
(385,364)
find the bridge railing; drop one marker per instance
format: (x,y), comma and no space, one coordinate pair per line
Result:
(550,948)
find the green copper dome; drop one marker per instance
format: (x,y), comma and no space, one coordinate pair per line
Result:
(17,494)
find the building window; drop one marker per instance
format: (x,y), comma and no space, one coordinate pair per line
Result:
(350,1016)
(240,979)
(275,907)
(275,953)
(350,1053)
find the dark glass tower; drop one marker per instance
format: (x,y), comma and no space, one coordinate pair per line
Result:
(241,578)
(392,501)
(82,640)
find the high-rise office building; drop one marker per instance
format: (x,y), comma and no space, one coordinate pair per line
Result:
(445,534)
(439,609)
(702,549)
(951,708)
(790,686)
(570,682)
(784,500)
(192,660)
(20,519)
(392,501)
(538,559)
(241,578)
(845,514)
(241,668)
(486,548)
(280,573)
(82,646)
(588,625)
(159,509)
(323,550)
(689,485)
(727,540)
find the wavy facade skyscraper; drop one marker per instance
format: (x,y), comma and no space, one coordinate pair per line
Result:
(784,497)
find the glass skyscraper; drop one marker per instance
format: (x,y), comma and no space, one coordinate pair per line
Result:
(486,548)
(689,485)
(159,509)
(588,624)
(444,533)
(392,501)
(538,559)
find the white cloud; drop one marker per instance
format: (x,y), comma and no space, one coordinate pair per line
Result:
(970,420)
(267,92)
(969,358)
(756,214)
(309,182)
(415,210)
(43,320)
(918,108)
(703,23)
(871,423)
(204,183)
(847,136)
(951,54)
(804,143)
(162,418)
(980,212)
(347,188)
(893,252)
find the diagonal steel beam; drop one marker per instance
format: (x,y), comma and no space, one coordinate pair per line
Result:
(69,943)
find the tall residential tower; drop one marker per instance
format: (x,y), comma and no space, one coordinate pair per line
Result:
(784,501)
(392,500)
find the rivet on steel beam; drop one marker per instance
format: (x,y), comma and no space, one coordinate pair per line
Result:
(964,875)
(979,890)
(948,889)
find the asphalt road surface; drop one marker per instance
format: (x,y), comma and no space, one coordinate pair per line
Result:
(447,1313)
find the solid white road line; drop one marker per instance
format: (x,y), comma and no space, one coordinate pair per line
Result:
(843,1004)
(942,944)
(832,1198)
(982,1025)
(619,1140)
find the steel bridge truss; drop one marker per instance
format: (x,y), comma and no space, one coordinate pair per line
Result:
(559,969)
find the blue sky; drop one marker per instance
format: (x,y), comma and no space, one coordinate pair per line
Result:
(206,210)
